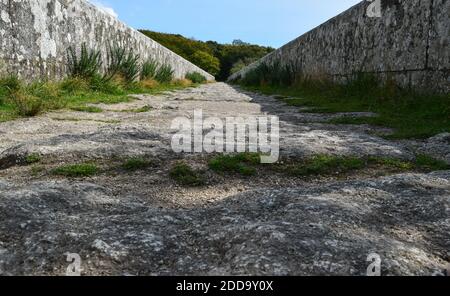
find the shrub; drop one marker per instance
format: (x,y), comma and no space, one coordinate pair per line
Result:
(164,74)
(87,65)
(49,93)
(148,83)
(196,77)
(123,63)
(206,61)
(10,84)
(149,69)
(108,86)
(74,85)
(25,104)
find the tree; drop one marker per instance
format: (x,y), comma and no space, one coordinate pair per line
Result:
(207,62)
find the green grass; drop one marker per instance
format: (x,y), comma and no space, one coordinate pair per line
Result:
(196,77)
(409,114)
(77,170)
(429,163)
(139,110)
(183,174)
(242,163)
(33,158)
(323,165)
(19,100)
(88,109)
(136,163)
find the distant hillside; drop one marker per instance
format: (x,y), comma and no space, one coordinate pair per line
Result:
(221,60)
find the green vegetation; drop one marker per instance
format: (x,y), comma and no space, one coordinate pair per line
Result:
(139,110)
(196,77)
(77,170)
(149,69)
(218,59)
(330,165)
(242,163)
(123,64)
(324,164)
(86,65)
(33,158)
(136,163)
(164,74)
(246,164)
(88,109)
(411,114)
(85,85)
(425,162)
(183,174)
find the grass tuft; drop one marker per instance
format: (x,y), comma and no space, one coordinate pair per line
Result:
(325,164)
(196,77)
(77,170)
(88,109)
(183,174)
(136,163)
(242,163)
(33,158)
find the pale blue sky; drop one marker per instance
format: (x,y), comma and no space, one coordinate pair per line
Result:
(265,22)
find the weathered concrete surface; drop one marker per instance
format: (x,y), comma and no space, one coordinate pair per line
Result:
(144,223)
(404,219)
(408,43)
(35,36)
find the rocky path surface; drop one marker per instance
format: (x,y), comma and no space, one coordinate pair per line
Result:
(143,223)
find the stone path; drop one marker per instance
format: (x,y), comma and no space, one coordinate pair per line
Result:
(143,223)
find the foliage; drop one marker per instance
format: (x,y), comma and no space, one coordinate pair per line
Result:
(206,61)
(86,65)
(77,170)
(410,113)
(241,163)
(136,163)
(123,63)
(149,69)
(164,74)
(210,55)
(183,174)
(196,77)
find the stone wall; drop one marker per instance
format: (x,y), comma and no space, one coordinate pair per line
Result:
(408,43)
(35,36)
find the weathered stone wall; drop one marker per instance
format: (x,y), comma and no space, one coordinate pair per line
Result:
(35,36)
(408,43)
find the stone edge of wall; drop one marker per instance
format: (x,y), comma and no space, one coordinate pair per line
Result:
(432,71)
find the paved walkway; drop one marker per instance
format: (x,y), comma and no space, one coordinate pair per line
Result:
(143,223)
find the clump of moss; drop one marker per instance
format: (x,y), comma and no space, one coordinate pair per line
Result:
(77,170)
(242,163)
(136,163)
(183,174)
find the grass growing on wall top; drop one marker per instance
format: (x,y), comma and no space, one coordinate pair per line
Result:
(409,113)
